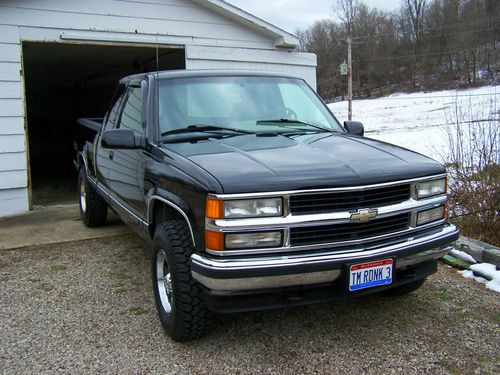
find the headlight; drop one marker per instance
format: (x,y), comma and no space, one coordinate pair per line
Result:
(253,240)
(430,188)
(243,208)
(428,216)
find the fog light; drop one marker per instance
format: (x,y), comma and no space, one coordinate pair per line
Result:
(428,216)
(253,240)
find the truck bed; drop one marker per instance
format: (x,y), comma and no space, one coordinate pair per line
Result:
(85,131)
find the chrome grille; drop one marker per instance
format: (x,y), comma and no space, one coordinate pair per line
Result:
(304,204)
(348,231)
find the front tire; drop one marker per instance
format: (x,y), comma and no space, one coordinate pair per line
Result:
(93,209)
(179,301)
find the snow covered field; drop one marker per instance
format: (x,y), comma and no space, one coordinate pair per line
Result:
(419,121)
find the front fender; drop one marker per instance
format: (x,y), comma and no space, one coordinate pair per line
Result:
(158,195)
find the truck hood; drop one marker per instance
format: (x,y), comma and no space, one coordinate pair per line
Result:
(271,162)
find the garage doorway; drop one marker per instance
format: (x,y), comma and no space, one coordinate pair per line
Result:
(64,82)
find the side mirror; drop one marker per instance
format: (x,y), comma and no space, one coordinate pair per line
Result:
(354,127)
(122,138)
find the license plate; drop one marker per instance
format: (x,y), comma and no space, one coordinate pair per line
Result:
(368,275)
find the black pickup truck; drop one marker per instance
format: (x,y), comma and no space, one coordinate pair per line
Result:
(254,196)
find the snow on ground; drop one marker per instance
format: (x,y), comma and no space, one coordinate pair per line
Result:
(485,269)
(462,255)
(418,121)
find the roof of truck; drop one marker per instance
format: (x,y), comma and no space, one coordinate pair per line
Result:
(203,73)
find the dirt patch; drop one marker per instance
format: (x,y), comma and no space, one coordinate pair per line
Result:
(87,306)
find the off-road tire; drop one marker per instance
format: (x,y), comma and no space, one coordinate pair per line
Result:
(406,288)
(93,209)
(188,317)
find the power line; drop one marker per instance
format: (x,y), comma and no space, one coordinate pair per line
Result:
(396,57)
(430,31)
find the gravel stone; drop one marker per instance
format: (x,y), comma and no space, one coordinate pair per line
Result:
(87,307)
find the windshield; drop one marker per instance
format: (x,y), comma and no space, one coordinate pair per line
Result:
(243,102)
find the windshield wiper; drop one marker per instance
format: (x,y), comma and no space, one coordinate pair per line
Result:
(203,128)
(273,122)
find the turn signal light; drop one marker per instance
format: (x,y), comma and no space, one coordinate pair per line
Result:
(214,240)
(214,208)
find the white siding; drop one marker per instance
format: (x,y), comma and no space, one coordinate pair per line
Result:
(10,107)
(11,125)
(13,179)
(12,161)
(179,18)
(9,34)
(9,71)
(13,201)
(13,172)
(11,90)
(291,63)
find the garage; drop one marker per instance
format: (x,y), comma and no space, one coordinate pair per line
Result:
(61,60)
(64,82)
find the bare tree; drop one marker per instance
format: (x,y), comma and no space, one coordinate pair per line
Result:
(416,14)
(347,10)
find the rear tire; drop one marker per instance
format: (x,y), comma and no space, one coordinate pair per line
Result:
(93,209)
(179,301)
(406,288)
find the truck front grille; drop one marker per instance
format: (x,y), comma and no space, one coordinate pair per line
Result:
(349,231)
(346,201)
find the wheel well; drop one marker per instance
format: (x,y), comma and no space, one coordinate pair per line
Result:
(162,212)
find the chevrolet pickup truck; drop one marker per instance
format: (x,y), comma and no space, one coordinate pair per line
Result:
(254,196)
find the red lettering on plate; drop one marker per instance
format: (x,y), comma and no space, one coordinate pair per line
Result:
(371,264)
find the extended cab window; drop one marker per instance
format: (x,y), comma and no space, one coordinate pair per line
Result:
(114,111)
(131,114)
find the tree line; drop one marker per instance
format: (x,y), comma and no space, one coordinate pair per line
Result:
(425,45)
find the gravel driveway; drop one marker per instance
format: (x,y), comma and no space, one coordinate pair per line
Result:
(87,306)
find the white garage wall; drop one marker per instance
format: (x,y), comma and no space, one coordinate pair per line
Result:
(214,38)
(13,171)
(297,64)
(181,20)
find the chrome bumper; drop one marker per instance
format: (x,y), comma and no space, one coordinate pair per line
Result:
(229,275)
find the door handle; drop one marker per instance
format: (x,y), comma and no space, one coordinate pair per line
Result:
(111,155)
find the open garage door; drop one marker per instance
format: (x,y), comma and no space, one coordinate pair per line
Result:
(64,82)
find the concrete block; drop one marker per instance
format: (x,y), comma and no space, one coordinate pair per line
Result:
(492,256)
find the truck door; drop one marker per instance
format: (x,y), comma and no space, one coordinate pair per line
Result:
(102,156)
(126,171)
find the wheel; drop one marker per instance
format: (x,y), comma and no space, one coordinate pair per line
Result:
(178,296)
(406,288)
(93,209)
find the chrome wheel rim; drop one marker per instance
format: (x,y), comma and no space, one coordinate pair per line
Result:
(164,281)
(83,195)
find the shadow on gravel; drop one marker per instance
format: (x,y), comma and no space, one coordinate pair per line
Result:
(88,307)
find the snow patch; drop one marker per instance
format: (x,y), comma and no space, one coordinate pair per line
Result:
(470,275)
(416,121)
(486,269)
(462,255)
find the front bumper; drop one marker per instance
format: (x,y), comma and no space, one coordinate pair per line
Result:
(228,276)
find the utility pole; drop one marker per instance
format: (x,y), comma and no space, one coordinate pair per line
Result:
(349,78)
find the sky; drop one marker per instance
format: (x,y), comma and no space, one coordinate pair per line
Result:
(293,14)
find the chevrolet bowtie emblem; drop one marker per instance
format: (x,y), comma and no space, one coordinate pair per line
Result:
(364,215)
